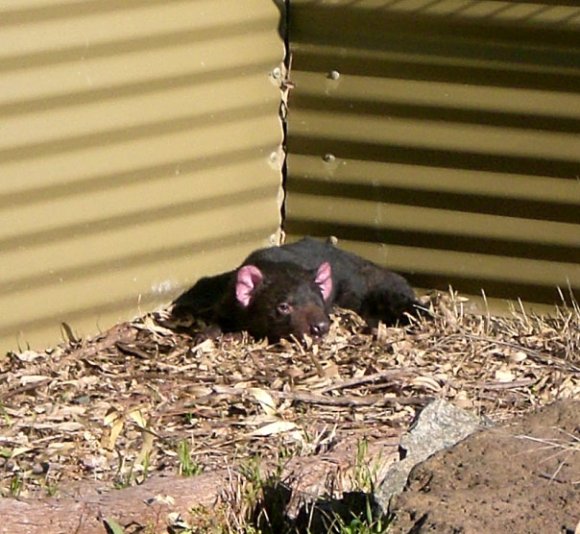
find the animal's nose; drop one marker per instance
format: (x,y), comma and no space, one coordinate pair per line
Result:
(319,328)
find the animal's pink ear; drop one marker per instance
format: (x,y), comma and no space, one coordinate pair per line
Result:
(324,280)
(248,278)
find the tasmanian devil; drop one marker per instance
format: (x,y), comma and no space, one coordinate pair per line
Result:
(286,291)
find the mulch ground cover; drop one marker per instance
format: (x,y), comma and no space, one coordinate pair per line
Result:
(151,396)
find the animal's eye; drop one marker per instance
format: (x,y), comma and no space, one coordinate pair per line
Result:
(284,308)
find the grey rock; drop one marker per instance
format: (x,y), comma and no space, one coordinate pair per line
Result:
(440,425)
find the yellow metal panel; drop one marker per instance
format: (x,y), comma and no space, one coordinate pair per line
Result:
(460,264)
(435,135)
(139,150)
(319,174)
(374,92)
(348,211)
(441,139)
(98,286)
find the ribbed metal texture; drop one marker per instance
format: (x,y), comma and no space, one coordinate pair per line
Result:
(441,138)
(138,151)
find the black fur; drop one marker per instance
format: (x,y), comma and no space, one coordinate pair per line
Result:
(288,285)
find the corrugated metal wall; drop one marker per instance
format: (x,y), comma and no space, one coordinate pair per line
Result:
(137,153)
(447,130)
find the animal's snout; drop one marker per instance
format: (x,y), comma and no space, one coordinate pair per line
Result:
(319,328)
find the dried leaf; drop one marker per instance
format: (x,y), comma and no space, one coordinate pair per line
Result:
(266,401)
(146,449)
(33,379)
(271,429)
(20,450)
(504,375)
(150,325)
(204,347)
(426,382)
(137,416)
(161,499)
(111,416)
(177,522)
(71,426)
(28,356)
(115,421)
(519,357)
(258,420)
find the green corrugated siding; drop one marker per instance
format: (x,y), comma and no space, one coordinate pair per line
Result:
(136,154)
(441,139)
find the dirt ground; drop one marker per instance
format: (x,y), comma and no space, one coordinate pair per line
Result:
(523,477)
(151,398)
